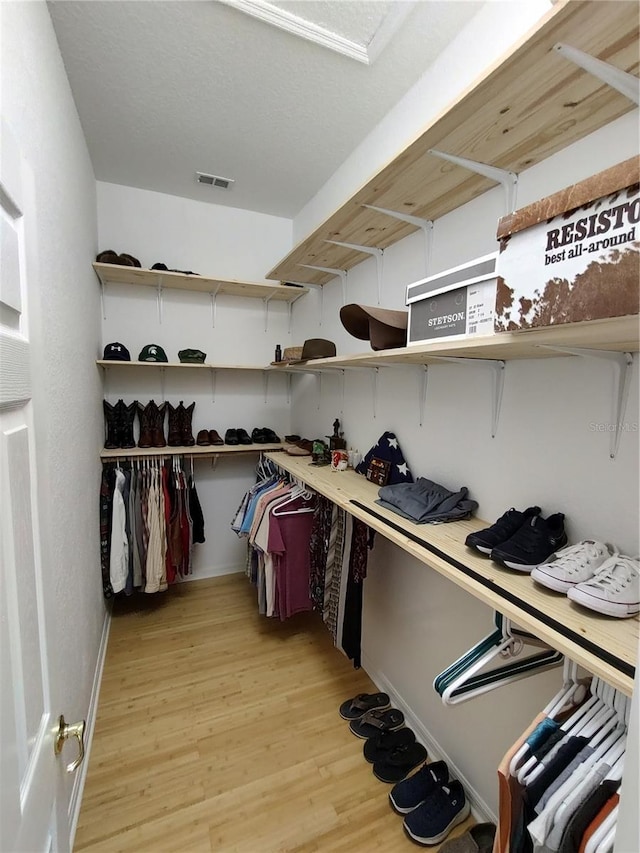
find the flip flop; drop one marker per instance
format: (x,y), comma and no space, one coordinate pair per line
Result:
(375,722)
(400,762)
(380,747)
(355,708)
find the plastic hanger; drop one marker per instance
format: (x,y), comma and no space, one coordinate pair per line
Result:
(441,681)
(600,836)
(296,492)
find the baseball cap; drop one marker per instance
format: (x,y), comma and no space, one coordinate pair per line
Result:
(116,352)
(152,352)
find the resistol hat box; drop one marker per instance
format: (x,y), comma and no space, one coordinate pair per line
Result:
(572,256)
(456,303)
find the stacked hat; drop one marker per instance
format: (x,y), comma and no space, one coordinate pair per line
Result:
(116,352)
(152,352)
(383,327)
(111,257)
(191,356)
(388,450)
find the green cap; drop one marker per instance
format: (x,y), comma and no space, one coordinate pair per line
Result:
(152,352)
(192,356)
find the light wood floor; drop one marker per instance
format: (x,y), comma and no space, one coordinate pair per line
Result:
(218,730)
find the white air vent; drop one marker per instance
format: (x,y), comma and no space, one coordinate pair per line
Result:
(214,180)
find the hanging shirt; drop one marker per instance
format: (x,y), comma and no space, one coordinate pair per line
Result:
(289,544)
(119,557)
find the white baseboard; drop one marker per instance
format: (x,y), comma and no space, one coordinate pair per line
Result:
(78,785)
(479,807)
(213,572)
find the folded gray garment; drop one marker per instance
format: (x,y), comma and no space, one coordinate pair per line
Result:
(426,501)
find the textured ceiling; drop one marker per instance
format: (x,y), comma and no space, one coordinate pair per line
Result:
(165,89)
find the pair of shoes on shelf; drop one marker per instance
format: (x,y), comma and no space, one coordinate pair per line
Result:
(180,416)
(594,575)
(151,419)
(291,439)
(521,540)
(264,435)
(432,805)
(111,257)
(119,421)
(237,436)
(207,437)
(303,447)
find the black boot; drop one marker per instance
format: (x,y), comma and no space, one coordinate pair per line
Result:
(125,418)
(112,434)
(186,416)
(151,419)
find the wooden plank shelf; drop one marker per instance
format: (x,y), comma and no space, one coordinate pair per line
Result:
(195,452)
(619,334)
(114,274)
(603,645)
(527,106)
(171,365)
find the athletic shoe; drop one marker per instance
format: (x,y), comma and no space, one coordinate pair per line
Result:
(503,529)
(414,790)
(615,590)
(572,565)
(445,808)
(532,544)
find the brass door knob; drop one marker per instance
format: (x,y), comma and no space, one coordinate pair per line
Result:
(65,731)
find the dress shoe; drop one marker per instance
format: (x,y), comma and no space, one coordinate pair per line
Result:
(291,439)
(270,437)
(258,437)
(243,436)
(304,447)
(203,439)
(231,437)
(214,438)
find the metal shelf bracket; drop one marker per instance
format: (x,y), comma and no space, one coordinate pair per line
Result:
(375,374)
(214,375)
(341,273)
(162,383)
(508,180)
(102,300)
(497,367)
(214,305)
(367,250)
(289,306)
(266,301)
(159,298)
(620,80)
(424,376)
(623,362)
(265,381)
(425,225)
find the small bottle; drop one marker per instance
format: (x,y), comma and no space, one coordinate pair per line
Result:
(278,355)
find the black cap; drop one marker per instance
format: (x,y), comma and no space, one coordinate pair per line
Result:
(116,352)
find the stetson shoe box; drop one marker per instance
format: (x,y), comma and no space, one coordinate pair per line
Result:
(572,256)
(456,303)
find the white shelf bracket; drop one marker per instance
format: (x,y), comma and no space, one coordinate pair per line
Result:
(266,301)
(214,376)
(102,300)
(106,382)
(424,376)
(162,383)
(336,272)
(378,254)
(425,225)
(288,388)
(374,375)
(214,462)
(265,381)
(343,372)
(622,362)
(620,80)
(319,389)
(159,298)
(508,180)
(497,368)
(289,307)
(214,305)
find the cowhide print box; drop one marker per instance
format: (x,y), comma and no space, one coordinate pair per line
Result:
(573,256)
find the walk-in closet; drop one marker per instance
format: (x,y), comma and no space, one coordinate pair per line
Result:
(320,504)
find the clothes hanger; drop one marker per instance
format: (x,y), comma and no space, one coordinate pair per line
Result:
(602,832)
(296,492)
(441,681)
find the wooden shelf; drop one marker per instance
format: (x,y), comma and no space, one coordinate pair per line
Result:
(603,645)
(163,365)
(114,274)
(524,108)
(196,452)
(620,334)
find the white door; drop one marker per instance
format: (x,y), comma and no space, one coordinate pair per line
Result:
(29,769)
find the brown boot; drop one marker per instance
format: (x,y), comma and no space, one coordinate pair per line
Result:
(175,425)
(151,425)
(125,417)
(186,416)
(112,437)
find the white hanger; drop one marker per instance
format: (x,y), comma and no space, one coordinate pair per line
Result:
(296,492)
(602,832)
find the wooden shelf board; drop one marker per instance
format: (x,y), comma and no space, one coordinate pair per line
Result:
(114,274)
(548,615)
(526,107)
(201,452)
(174,364)
(620,334)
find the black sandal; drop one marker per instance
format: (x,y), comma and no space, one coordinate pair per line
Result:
(357,707)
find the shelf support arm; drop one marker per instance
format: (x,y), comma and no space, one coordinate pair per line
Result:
(265,381)
(622,362)
(425,225)
(102,300)
(343,372)
(159,298)
(366,250)
(267,300)
(162,383)
(333,271)
(497,367)
(374,375)
(424,376)
(620,80)
(214,375)
(289,306)
(214,305)
(319,388)
(508,180)
(288,388)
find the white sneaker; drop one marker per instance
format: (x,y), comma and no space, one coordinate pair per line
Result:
(615,590)
(573,564)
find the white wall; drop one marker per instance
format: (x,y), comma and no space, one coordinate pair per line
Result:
(545,452)
(214,241)
(64,304)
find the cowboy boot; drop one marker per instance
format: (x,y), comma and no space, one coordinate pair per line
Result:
(126,418)
(186,416)
(111,441)
(144,416)
(175,425)
(157,425)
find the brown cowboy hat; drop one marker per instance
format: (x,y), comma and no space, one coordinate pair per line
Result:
(315,348)
(385,328)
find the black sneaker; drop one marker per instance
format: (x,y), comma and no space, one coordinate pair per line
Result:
(504,528)
(414,790)
(445,808)
(532,543)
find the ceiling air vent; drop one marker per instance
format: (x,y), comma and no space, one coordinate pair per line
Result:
(214,180)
